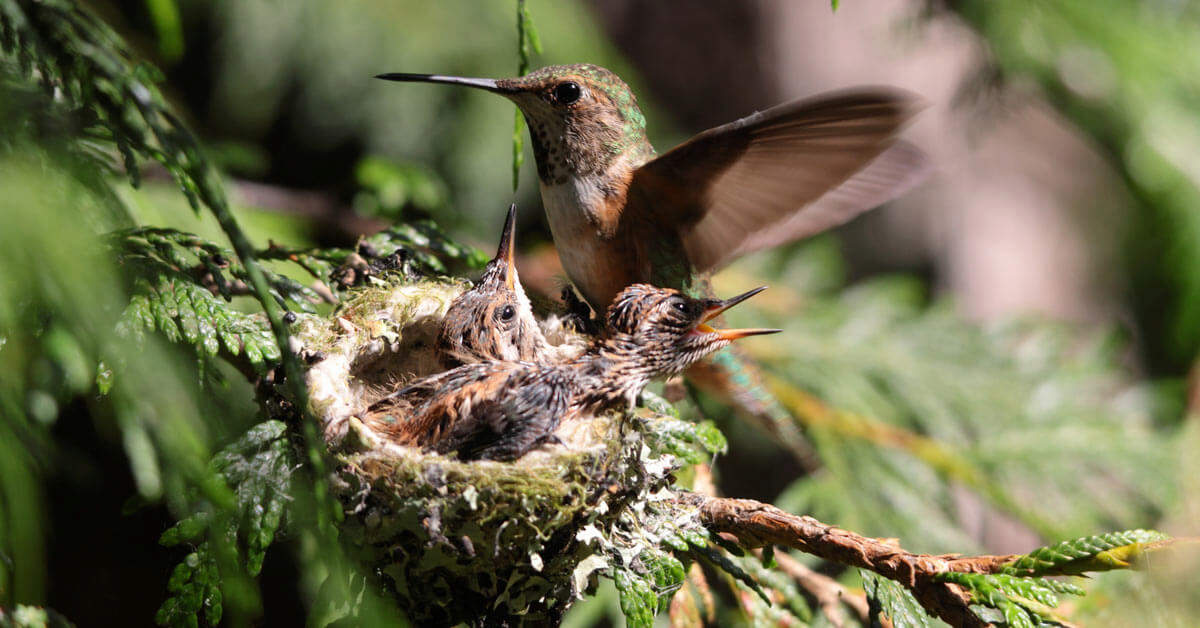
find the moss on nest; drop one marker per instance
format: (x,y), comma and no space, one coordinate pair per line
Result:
(381,335)
(488,542)
(491,542)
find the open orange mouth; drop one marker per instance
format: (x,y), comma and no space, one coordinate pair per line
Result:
(718,307)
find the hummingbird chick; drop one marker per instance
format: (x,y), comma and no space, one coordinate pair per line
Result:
(493,320)
(500,410)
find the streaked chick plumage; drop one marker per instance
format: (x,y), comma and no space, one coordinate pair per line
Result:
(502,409)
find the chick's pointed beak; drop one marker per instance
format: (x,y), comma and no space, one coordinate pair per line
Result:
(716,308)
(491,85)
(505,253)
(734,334)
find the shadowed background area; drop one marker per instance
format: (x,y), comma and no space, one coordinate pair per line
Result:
(1033,308)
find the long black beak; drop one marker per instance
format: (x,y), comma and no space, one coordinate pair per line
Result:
(507,250)
(479,83)
(716,308)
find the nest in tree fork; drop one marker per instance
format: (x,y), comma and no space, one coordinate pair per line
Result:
(484,541)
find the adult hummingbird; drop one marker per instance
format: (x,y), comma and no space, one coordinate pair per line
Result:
(621,214)
(499,410)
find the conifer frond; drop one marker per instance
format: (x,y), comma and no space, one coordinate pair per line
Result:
(417,246)
(79,58)
(1018,590)
(888,598)
(921,400)
(182,286)
(195,587)
(1022,601)
(259,468)
(1102,552)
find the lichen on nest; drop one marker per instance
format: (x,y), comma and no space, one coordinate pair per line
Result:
(485,541)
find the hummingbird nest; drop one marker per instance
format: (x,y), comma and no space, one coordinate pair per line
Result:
(488,542)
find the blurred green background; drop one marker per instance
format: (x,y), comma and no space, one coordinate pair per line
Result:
(1033,309)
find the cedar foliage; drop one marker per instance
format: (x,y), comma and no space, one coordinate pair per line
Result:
(904,402)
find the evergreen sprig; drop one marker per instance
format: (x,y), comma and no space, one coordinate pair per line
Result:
(78,57)
(527,38)
(182,286)
(1020,591)
(260,468)
(1024,602)
(149,251)
(889,599)
(1103,552)
(788,604)
(195,587)
(906,402)
(417,246)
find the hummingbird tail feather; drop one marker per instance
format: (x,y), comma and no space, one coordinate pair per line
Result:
(736,381)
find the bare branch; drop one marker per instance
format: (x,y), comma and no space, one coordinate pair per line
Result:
(757,524)
(828,593)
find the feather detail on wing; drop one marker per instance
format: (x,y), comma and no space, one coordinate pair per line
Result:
(889,176)
(754,182)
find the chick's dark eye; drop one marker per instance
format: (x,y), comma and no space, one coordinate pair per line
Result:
(508,313)
(567,93)
(680,306)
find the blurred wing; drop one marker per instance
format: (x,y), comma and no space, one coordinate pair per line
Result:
(779,175)
(889,176)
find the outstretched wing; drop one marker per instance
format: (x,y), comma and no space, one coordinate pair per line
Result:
(779,175)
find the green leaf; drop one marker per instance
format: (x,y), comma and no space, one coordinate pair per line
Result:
(188,529)
(259,468)
(638,601)
(166,295)
(193,585)
(711,438)
(1104,552)
(889,599)
(1013,596)
(666,572)
(531,34)
(164,14)
(691,442)
(527,36)
(768,557)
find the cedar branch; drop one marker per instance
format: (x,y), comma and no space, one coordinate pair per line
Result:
(757,524)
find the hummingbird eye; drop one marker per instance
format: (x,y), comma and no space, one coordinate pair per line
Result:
(567,93)
(680,306)
(508,313)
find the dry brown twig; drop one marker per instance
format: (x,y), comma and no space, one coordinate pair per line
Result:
(828,593)
(757,524)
